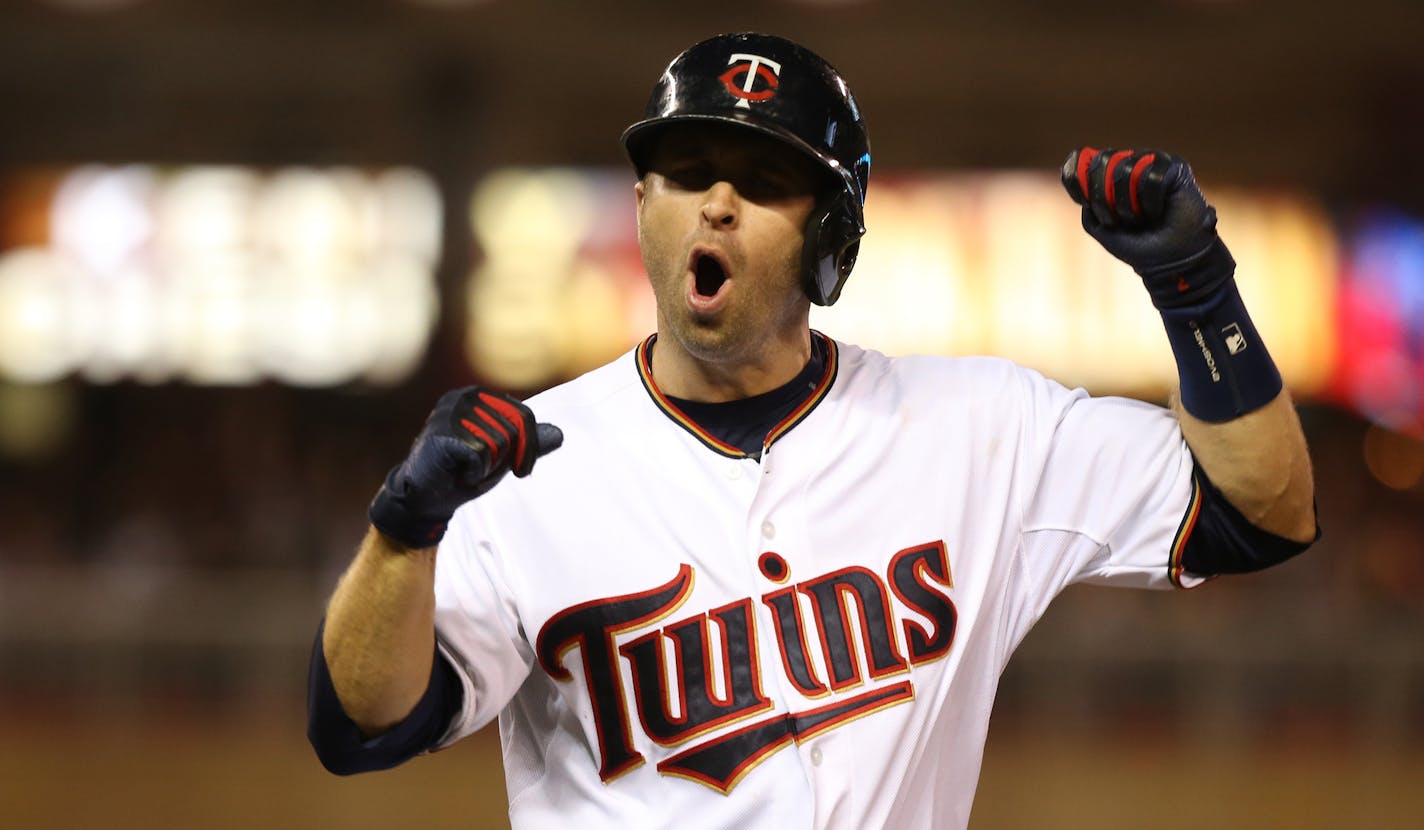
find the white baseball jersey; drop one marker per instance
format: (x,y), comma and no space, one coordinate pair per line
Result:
(673,633)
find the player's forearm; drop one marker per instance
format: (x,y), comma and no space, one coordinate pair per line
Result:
(1260,463)
(1145,208)
(379,638)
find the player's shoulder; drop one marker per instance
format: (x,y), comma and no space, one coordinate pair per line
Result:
(999,390)
(591,390)
(975,375)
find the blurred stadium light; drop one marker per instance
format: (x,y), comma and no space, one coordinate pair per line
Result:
(978,263)
(1381,320)
(219,275)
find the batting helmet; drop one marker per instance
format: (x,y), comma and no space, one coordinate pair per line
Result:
(784,90)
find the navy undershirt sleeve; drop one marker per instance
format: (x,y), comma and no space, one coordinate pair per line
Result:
(340,745)
(1225,542)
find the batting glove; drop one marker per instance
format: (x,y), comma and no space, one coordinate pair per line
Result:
(1145,208)
(472,438)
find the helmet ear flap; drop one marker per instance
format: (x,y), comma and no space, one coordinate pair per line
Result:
(831,247)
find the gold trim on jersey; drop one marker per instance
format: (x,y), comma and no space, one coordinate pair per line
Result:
(1184,532)
(644,357)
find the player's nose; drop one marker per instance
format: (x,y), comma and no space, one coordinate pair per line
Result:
(720,205)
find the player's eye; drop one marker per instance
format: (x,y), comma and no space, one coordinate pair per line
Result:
(766,184)
(688,175)
(771,184)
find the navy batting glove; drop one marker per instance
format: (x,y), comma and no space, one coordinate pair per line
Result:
(472,438)
(1145,208)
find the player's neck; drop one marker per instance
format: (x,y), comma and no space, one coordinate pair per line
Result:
(683,375)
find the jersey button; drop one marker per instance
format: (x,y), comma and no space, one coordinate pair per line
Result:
(734,470)
(768,530)
(816,756)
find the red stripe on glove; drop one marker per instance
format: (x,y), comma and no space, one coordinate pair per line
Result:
(1110,188)
(1137,170)
(508,410)
(490,419)
(479,433)
(1085,159)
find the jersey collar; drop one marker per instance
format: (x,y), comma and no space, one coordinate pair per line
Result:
(644,356)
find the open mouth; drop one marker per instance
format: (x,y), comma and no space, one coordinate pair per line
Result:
(709,275)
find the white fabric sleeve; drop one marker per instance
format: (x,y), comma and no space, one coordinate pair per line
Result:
(1115,472)
(477,626)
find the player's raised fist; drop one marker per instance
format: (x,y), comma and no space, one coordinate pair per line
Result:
(471,439)
(1145,208)
(1122,187)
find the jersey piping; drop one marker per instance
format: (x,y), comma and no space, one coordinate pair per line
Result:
(1184,532)
(644,354)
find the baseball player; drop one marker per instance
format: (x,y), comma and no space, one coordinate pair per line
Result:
(762,578)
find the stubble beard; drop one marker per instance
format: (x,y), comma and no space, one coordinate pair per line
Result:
(738,334)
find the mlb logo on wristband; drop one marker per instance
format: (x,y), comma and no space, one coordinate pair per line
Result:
(1235,340)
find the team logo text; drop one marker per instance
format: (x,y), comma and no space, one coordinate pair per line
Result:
(691,678)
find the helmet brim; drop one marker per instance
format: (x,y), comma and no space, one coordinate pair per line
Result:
(640,139)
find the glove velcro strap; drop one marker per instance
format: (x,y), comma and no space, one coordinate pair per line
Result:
(1190,281)
(390,514)
(1223,365)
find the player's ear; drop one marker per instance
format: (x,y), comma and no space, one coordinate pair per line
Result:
(638,192)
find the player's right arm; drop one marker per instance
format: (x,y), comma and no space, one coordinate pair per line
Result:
(377,651)
(379,637)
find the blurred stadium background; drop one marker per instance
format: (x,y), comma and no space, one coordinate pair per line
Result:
(244,245)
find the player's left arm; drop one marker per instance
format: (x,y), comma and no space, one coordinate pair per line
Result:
(1145,208)
(1260,464)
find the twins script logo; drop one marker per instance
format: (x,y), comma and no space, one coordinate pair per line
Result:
(711,677)
(752,67)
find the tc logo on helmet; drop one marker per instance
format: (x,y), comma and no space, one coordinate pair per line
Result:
(752,67)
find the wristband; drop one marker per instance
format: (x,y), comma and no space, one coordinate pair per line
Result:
(1224,368)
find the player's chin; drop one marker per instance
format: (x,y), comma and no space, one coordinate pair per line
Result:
(708,337)
(705,331)
(708,319)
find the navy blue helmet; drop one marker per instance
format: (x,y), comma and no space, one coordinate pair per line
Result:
(769,84)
